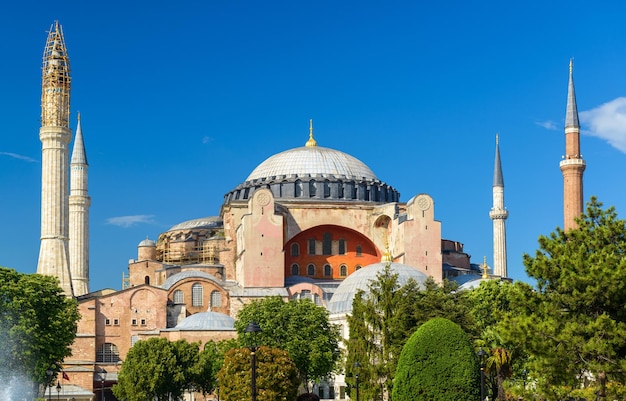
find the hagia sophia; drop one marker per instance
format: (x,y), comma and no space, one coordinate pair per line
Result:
(309,222)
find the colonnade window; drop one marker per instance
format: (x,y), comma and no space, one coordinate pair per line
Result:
(196,295)
(216,299)
(310,270)
(328,271)
(343,270)
(107,353)
(295,249)
(295,269)
(179,297)
(312,246)
(342,246)
(359,250)
(327,244)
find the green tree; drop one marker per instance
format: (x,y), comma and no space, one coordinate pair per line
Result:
(37,327)
(299,327)
(385,316)
(277,375)
(209,364)
(437,363)
(573,323)
(157,369)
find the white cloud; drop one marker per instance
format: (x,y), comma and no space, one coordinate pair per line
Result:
(551,125)
(20,157)
(607,121)
(207,139)
(128,221)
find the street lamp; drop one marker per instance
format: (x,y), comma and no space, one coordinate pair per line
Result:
(251,331)
(357,369)
(49,373)
(481,356)
(102,380)
(58,391)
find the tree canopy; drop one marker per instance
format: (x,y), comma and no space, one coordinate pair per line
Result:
(573,324)
(299,327)
(37,327)
(437,363)
(277,375)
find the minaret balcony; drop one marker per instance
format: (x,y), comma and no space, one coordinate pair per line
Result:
(572,162)
(498,214)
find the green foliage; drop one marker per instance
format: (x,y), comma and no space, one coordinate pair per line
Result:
(385,316)
(37,326)
(437,363)
(277,375)
(299,327)
(159,369)
(573,324)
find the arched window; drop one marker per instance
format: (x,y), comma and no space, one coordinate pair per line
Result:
(357,267)
(342,246)
(295,249)
(359,250)
(179,297)
(295,269)
(327,244)
(196,295)
(107,353)
(326,189)
(216,299)
(298,188)
(343,270)
(327,270)
(146,280)
(310,270)
(312,190)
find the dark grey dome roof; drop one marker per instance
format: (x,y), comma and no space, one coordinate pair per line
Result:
(341,302)
(212,321)
(204,222)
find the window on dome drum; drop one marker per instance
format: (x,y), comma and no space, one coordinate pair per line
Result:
(310,270)
(327,270)
(216,299)
(295,269)
(342,246)
(179,297)
(312,246)
(196,295)
(326,189)
(327,244)
(107,353)
(295,249)
(298,188)
(311,189)
(343,270)
(359,250)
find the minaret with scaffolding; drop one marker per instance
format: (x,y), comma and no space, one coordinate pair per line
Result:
(55,136)
(79,203)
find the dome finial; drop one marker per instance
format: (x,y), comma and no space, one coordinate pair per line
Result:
(387,254)
(311,141)
(485,268)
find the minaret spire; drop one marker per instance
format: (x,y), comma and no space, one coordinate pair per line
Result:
(55,136)
(572,166)
(311,141)
(499,214)
(79,203)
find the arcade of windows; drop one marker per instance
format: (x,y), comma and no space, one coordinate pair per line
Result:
(329,247)
(197,296)
(328,270)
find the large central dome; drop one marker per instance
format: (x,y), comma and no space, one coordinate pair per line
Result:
(308,161)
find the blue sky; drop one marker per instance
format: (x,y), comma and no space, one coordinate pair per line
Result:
(181,100)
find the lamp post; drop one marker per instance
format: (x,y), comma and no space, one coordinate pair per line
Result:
(481,356)
(357,370)
(251,331)
(58,391)
(49,373)
(102,380)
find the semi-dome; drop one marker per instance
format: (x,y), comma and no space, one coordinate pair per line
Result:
(211,321)
(341,302)
(312,172)
(309,161)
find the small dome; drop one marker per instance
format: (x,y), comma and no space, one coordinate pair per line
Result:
(147,242)
(211,321)
(308,161)
(341,302)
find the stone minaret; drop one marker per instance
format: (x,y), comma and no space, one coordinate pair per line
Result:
(572,164)
(55,136)
(79,203)
(499,215)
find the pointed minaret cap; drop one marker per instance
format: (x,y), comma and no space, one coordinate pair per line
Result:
(311,142)
(571,114)
(79,156)
(498,179)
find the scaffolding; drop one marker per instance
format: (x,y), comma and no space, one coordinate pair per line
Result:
(55,80)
